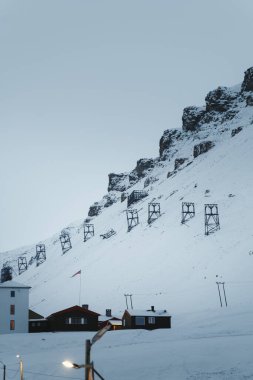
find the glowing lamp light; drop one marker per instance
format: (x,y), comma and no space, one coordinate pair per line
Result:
(68,364)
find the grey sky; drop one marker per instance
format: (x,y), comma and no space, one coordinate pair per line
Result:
(88,87)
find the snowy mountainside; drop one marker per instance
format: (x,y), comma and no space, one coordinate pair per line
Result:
(166,264)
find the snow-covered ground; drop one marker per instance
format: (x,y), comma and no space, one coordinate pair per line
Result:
(200,346)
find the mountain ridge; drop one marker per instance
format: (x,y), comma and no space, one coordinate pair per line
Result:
(170,265)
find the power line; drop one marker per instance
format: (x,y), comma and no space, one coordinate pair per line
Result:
(45,374)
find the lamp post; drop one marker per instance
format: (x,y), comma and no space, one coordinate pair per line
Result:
(21,367)
(87,358)
(89,369)
(4,369)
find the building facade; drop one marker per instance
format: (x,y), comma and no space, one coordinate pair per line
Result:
(146,319)
(75,318)
(37,323)
(14,307)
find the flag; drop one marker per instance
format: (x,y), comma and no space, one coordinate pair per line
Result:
(79,272)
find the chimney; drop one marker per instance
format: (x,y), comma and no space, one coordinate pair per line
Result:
(85,306)
(152,308)
(108,312)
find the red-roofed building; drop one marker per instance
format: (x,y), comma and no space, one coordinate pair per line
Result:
(75,318)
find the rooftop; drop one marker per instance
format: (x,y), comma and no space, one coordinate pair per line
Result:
(148,313)
(13,284)
(75,308)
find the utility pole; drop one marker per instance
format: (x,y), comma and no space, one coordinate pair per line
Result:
(218,284)
(224,293)
(131,301)
(126,300)
(4,369)
(87,359)
(88,366)
(130,295)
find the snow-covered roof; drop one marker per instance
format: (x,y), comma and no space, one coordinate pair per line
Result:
(74,309)
(115,323)
(103,318)
(13,284)
(148,313)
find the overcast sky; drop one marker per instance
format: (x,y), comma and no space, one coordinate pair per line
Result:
(88,87)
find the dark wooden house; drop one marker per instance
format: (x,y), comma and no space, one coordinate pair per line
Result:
(146,319)
(37,323)
(75,318)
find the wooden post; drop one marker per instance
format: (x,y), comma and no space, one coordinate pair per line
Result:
(4,372)
(91,372)
(224,293)
(219,292)
(87,358)
(21,370)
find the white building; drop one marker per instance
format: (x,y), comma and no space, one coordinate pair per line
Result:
(14,307)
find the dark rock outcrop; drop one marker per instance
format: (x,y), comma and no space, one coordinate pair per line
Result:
(170,174)
(235,131)
(249,100)
(110,199)
(168,139)
(94,209)
(179,162)
(247,84)
(124,196)
(143,165)
(133,178)
(202,148)
(149,180)
(191,118)
(220,100)
(117,182)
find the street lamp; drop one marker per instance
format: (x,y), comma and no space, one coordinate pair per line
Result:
(69,364)
(88,366)
(4,369)
(21,367)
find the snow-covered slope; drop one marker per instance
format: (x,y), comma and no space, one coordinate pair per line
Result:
(166,264)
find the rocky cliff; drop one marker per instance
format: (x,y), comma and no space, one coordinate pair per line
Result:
(222,105)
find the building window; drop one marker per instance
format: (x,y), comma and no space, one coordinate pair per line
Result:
(12,293)
(68,321)
(76,321)
(12,324)
(151,320)
(12,309)
(140,321)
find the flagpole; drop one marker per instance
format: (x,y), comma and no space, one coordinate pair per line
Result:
(80,290)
